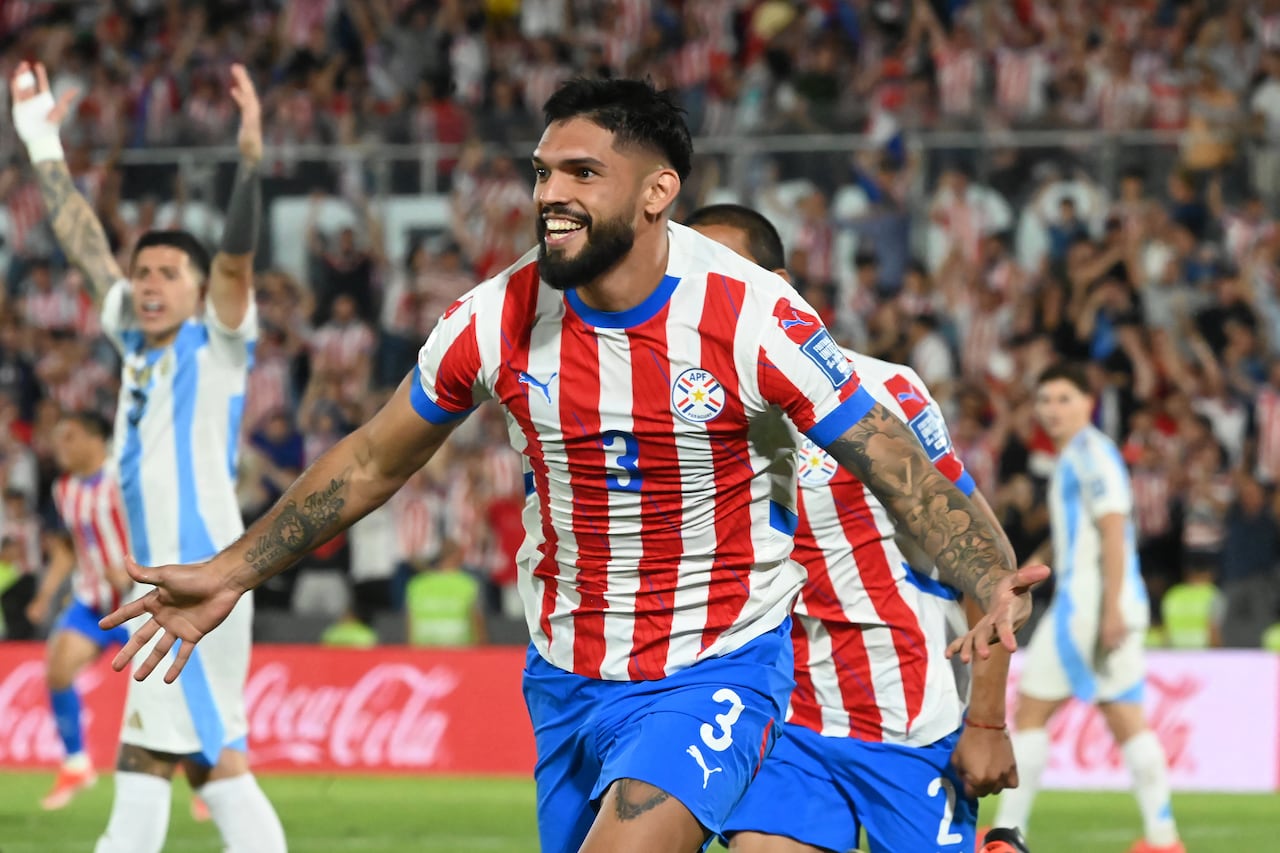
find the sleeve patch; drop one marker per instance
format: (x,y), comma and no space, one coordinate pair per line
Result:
(823,351)
(932,432)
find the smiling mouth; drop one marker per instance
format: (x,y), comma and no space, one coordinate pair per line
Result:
(560,229)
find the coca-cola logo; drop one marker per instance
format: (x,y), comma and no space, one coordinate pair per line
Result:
(27,730)
(387,718)
(1082,741)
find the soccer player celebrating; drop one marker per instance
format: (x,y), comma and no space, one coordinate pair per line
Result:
(176,430)
(644,370)
(877,706)
(1089,644)
(91,549)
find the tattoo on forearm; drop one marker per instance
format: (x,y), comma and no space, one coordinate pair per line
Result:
(634,798)
(76,226)
(296,530)
(881,451)
(244,212)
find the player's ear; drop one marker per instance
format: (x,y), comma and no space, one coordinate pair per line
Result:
(782,273)
(660,191)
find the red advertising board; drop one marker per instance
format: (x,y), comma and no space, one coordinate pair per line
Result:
(392,710)
(397,710)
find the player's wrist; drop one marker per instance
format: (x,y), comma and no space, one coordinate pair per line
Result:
(993,723)
(31,121)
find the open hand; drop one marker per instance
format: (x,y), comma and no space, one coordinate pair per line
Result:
(187,603)
(1009,609)
(246,98)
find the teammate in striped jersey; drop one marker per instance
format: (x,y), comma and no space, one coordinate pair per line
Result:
(1089,644)
(876,702)
(644,371)
(90,549)
(177,425)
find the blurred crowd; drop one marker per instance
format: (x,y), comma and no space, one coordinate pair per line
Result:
(943,238)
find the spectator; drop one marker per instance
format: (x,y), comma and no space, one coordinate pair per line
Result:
(442,603)
(1248,577)
(1192,613)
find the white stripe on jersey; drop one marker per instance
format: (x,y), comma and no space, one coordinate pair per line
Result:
(93,514)
(177,432)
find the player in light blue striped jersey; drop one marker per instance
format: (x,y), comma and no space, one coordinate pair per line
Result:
(1089,644)
(185,328)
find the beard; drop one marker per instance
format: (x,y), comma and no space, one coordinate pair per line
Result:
(607,243)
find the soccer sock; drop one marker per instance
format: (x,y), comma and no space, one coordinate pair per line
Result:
(244,815)
(1031,751)
(139,815)
(66,714)
(1147,763)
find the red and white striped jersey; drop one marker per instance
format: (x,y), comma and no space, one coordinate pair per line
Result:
(959,73)
(655,441)
(1151,502)
(93,514)
(871,630)
(1021,78)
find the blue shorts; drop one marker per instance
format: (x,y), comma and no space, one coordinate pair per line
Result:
(820,790)
(83,619)
(701,734)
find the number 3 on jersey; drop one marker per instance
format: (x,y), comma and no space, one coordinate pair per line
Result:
(621,460)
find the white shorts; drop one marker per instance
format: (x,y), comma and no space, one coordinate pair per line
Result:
(203,711)
(1063,661)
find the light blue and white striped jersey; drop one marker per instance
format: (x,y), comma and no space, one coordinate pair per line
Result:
(177,431)
(1091,481)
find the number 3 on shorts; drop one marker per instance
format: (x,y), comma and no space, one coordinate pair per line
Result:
(946,834)
(722,741)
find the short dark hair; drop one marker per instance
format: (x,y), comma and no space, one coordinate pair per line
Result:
(635,113)
(92,422)
(762,238)
(183,241)
(1066,371)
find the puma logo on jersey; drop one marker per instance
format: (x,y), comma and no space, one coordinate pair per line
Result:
(532,382)
(905,396)
(706,771)
(795,320)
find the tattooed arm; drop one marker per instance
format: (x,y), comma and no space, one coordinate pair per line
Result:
(969,554)
(355,477)
(77,228)
(889,460)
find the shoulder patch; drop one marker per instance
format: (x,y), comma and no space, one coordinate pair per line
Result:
(823,351)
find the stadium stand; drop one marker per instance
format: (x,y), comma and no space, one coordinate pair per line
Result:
(935,171)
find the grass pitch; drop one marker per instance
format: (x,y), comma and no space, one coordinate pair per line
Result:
(457,815)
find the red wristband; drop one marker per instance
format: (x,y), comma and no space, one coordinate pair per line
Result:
(999,728)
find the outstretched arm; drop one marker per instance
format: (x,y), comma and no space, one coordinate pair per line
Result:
(36,118)
(883,453)
(231,277)
(356,476)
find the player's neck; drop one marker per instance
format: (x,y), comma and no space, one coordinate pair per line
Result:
(89,471)
(633,278)
(1070,437)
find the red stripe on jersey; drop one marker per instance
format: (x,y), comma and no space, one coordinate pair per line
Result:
(517,325)
(461,365)
(781,391)
(848,652)
(805,709)
(728,589)
(584,454)
(850,497)
(662,506)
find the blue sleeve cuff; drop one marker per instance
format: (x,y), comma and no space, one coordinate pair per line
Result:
(826,431)
(966,484)
(429,409)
